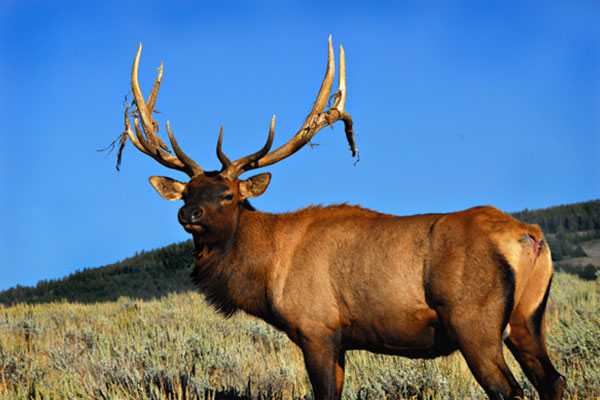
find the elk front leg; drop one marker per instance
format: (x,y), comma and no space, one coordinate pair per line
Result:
(324,359)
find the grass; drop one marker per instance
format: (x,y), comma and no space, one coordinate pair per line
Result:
(179,348)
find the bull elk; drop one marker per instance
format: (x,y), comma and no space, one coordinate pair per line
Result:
(342,277)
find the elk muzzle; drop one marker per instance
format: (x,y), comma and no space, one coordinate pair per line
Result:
(190,215)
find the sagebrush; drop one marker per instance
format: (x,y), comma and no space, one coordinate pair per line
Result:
(179,348)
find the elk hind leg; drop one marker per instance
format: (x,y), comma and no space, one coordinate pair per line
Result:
(475,320)
(481,347)
(527,343)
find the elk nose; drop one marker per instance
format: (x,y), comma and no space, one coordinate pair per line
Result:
(196,215)
(190,215)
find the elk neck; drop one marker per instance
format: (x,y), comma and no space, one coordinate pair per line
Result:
(234,273)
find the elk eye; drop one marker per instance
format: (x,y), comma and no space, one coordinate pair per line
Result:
(228,197)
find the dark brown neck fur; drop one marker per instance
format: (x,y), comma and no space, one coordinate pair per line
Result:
(233,274)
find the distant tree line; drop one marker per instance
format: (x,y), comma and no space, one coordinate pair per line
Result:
(588,272)
(566,227)
(578,217)
(147,275)
(152,274)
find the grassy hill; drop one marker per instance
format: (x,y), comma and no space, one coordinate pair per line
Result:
(179,348)
(573,232)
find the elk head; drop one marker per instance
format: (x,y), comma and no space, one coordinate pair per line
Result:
(213,200)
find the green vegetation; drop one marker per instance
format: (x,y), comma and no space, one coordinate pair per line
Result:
(578,217)
(179,348)
(145,276)
(566,227)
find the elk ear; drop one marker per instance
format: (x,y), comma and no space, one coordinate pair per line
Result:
(255,186)
(168,188)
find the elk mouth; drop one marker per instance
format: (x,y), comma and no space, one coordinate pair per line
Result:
(191,227)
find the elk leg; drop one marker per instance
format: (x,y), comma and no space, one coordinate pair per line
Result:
(481,345)
(492,373)
(532,356)
(527,344)
(324,361)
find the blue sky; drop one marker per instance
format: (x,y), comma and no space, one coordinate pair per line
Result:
(456,104)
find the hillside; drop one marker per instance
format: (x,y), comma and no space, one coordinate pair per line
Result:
(179,348)
(147,275)
(573,232)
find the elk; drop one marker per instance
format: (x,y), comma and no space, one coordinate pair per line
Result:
(342,277)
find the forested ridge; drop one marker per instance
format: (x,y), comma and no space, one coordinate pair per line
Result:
(146,275)
(153,274)
(564,219)
(566,227)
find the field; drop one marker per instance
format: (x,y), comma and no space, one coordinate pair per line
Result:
(178,348)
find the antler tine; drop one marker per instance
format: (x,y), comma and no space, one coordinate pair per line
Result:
(232,170)
(132,135)
(149,149)
(154,93)
(167,160)
(340,100)
(340,103)
(150,106)
(195,169)
(140,103)
(323,95)
(220,155)
(151,144)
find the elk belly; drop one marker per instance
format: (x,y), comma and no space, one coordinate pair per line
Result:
(413,333)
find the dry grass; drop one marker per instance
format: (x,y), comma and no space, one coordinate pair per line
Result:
(178,348)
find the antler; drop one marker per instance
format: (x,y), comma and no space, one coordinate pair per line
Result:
(145,138)
(147,141)
(315,121)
